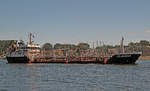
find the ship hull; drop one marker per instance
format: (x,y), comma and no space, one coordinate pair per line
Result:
(18,59)
(128,58)
(115,59)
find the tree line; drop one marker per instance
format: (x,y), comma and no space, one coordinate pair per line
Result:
(49,46)
(5,44)
(141,46)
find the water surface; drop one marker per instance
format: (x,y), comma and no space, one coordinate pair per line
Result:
(74,77)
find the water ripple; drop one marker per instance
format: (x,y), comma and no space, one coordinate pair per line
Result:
(74,77)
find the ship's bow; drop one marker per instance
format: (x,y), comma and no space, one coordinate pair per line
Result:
(125,58)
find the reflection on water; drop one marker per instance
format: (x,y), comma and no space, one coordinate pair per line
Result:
(74,77)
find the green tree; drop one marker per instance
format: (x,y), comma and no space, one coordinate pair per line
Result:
(64,46)
(131,44)
(84,46)
(5,44)
(144,43)
(58,46)
(47,46)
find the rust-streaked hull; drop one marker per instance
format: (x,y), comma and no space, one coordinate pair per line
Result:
(129,58)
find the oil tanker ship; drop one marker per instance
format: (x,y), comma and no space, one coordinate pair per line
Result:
(32,53)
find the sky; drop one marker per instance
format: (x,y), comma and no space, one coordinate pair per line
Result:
(74,21)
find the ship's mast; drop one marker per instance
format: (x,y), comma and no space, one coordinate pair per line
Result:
(122,45)
(30,39)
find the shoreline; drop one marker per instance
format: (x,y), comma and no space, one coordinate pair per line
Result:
(2,56)
(144,58)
